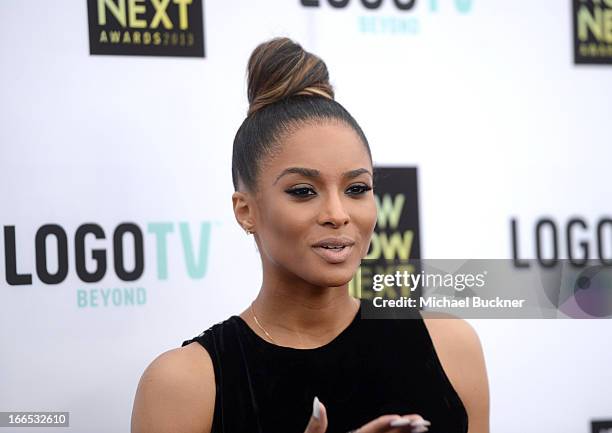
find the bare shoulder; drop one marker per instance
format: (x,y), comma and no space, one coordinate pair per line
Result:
(460,351)
(449,328)
(176,393)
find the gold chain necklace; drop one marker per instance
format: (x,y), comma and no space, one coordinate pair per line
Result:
(259,324)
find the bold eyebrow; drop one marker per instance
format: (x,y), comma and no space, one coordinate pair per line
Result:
(311,172)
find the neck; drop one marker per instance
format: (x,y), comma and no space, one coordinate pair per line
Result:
(301,314)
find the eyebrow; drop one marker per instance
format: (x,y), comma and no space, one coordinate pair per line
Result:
(311,172)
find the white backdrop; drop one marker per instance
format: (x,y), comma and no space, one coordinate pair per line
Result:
(486,102)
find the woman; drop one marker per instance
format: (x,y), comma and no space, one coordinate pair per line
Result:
(299,358)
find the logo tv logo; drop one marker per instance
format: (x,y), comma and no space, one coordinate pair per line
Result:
(91,263)
(146,27)
(369,4)
(592,31)
(402,21)
(402,5)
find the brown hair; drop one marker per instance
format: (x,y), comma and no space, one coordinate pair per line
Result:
(281,68)
(287,87)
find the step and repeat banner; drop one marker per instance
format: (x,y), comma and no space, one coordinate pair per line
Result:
(491,119)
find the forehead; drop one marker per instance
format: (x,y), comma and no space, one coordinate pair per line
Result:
(329,147)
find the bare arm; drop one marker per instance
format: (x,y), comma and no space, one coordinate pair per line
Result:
(176,393)
(460,352)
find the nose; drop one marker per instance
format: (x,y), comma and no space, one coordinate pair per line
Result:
(333,211)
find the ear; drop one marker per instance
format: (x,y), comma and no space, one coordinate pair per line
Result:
(244,210)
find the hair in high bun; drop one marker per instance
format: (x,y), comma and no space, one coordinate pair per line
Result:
(280,68)
(287,87)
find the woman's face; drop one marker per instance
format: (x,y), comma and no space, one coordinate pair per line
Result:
(315,208)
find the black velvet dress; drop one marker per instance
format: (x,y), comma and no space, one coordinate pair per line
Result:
(373,367)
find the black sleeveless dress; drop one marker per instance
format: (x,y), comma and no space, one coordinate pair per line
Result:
(373,367)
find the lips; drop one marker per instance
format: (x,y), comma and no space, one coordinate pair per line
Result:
(334,249)
(335,241)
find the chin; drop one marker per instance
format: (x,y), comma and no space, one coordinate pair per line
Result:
(333,278)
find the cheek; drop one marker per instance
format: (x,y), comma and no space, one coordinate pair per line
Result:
(285,226)
(365,221)
(366,216)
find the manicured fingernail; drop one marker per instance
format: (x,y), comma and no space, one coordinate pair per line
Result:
(316,408)
(419,429)
(420,422)
(400,422)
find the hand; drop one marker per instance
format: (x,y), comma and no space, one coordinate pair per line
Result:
(412,423)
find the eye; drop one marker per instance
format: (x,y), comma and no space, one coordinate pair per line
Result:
(358,189)
(301,192)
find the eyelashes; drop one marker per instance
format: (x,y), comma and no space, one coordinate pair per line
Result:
(302,192)
(360,189)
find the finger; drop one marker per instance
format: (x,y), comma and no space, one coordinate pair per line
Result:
(378,425)
(412,423)
(318,420)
